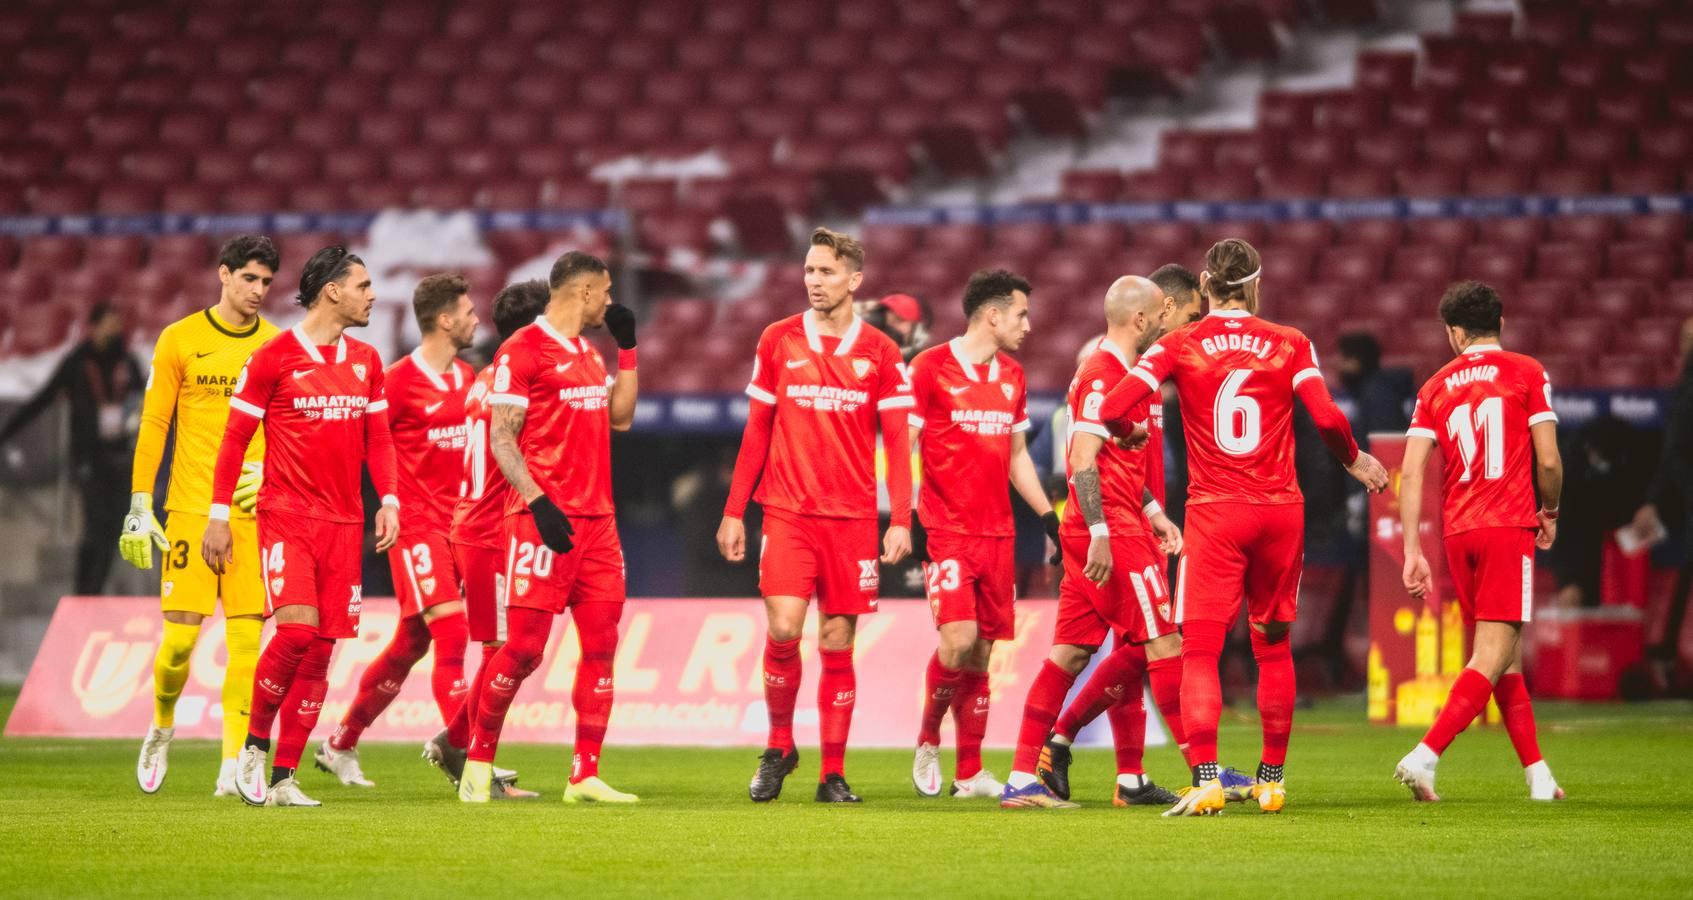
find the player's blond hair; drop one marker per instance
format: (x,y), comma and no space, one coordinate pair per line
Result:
(845,246)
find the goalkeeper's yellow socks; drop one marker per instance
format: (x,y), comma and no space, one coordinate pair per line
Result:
(170,670)
(241,637)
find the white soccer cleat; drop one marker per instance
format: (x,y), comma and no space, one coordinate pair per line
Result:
(1416,771)
(226,779)
(343,764)
(926,770)
(287,792)
(981,784)
(250,776)
(154,760)
(474,784)
(1541,784)
(593,790)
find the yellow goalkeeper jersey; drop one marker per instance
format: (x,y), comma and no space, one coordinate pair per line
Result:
(195,365)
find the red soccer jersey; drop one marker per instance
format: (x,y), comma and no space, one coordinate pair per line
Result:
(315,403)
(828,394)
(1155,448)
(479,515)
(566,439)
(1235,376)
(1479,408)
(426,415)
(1122,473)
(965,415)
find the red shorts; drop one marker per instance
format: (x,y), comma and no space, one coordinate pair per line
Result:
(1493,570)
(538,578)
(1241,549)
(425,573)
(482,569)
(312,562)
(835,560)
(973,579)
(1133,602)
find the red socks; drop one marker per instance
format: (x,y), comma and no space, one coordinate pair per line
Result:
(304,703)
(382,680)
(1276,694)
(837,692)
(1046,698)
(1115,678)
(504,674)
(1165,676)
(1128,732)
(781,689)
(596,628)
(1467,699)
(1518,711)
(939,685)
(450,635)
(275,674)
(970,717)
(1202,691)
(458,730)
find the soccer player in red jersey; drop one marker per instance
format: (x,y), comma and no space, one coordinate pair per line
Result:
(1112,582)
(1237,376)
(426,391)
(1490,412)
(969,425)
(554,409)
(320,397)
(478,538)
(822,381)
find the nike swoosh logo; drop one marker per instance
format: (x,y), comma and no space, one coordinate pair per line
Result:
(430,409)
(796,363)
(204,355)
(563,367)
(955,391)
(301,373)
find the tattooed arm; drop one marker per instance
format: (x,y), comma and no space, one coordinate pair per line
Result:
(507,425)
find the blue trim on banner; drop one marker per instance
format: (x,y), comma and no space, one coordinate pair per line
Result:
(1282,210)
(285,223)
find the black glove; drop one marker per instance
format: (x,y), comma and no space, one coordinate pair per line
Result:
(620,321)
(550,522)
(919,541)
(1050,523)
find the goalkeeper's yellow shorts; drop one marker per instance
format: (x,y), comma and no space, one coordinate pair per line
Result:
(189,585)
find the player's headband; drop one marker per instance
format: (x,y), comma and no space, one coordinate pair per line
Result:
(1255,273)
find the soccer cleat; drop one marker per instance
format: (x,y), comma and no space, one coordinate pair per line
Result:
(440,753)
(1271,796)
(343,764)
(981,784)
(1416,771)
(287,793)
(833,789)
(1033,796)
(154,760)
(1204,800)
(1237,785)
(593,790)
(926,770)
(504,786)
(773,766)
(1541,784)
(250,783)
(226,780)
(1148,794)
(1054,768)
(474,785)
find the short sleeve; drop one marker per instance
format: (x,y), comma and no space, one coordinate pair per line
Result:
(1090,400)
(1155,365)
(1020,404)
(255,384)
(762,385)
(1537,391)
(514,374)
(893,384)
(920,371)
(1304,362)
(1422,425)
(378,387)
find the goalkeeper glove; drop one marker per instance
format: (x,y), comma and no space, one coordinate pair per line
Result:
(550,522)
(620,321)
(247,486)
(1050,523)
(141,532)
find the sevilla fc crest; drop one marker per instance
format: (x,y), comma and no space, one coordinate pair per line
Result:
(359,369)
(1006,390)
(1164,609)
(861,367)
(428,585)
(521,585)
(276,586)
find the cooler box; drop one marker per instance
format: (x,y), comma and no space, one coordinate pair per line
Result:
(1580,654)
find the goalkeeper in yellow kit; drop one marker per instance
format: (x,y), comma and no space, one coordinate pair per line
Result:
(196,364)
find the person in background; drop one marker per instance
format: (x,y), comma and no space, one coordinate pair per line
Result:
(1671,496)
(903,318)
(1605,481)
(99,377)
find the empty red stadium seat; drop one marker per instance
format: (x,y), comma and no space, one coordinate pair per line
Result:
(59,197)
(196,197)
(1290,266)
(1496,181)
(1024,238)
(1618,299)
(1428,181)
(1360,183)
(1322,150)
(1664,227)
(1584,338)
(1286,110)
(1288,183)
(1583,229)
(1349,265)
(1163,236)
(1466,146)
(1643,178)
(1315,234)
(1154,185)
(1497,264)
(1651,261)
(1569,179)
(1222,185)
(1456,233)
(1574,262)
(1424,263)
(1095,237)
(1091,185)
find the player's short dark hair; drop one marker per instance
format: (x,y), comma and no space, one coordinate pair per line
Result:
(101,310)
(1174,279)
(326,265)
(573,264)
(1228,261)
(434,295)
(992,288)
(245,248)
(845,246)
(516,305)
(1363,347)
(1472,306)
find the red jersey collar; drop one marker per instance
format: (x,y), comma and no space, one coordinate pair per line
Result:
(574,344)
(1110,346)
(311,348)
(434,376)
(814,339)
(956,345)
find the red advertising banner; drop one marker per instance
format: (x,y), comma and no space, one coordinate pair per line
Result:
(688,672)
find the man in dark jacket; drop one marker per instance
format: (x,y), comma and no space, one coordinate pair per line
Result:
(1671,494)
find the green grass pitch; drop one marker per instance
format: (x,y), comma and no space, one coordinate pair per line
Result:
(72,823)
